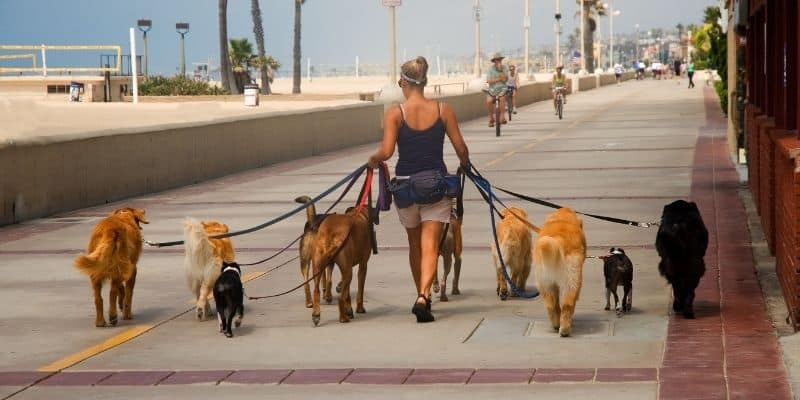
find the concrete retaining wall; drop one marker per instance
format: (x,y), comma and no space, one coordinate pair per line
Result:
(41,177)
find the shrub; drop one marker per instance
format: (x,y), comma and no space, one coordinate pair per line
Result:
(176,86)
(721,87)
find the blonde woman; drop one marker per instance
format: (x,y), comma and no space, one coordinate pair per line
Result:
(418,128)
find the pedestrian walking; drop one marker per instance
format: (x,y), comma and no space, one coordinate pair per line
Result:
(690,73)
(418,127)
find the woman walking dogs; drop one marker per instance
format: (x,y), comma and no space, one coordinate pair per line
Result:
(418,127)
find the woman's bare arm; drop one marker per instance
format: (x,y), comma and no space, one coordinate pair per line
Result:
(454,133)
(391,121)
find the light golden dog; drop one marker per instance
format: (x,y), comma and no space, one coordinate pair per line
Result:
(515,240)
(450,250)
(112,255)
(558,256)
(203,260)
(344,240)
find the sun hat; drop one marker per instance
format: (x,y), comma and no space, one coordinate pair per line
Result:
(496,56)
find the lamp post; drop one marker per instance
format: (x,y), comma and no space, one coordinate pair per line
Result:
(611,14)
(527,25)
(557,28)
(637,43)
(583,44)
(182,28)
(476,10)
(144,26)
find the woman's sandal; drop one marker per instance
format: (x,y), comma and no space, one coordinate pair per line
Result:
(421,311)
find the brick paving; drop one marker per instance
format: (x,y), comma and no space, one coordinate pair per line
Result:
(730,350)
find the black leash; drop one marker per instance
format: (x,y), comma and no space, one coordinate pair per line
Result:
(290,290)
(556,206)
(352,176)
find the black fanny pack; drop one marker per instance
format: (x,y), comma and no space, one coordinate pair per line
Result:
(425,187)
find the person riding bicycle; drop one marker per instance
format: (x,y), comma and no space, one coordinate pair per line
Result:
(559,84)
(496,77)
(512,83)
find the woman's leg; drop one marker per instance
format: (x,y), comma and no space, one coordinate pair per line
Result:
(414,254)
(429,244)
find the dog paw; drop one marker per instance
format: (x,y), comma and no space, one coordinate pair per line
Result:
(315,320)
(127,316)
(619,312)
(100,324)
(608,307)
(443,297)
(228,335)
(344,319)
(112,320)
(339,287)
(200,314)
(564,332)
(350,313)
(309,305)
(688,314)
(504,294)
(329,300)
(237,323)
(360,310)
(436,287)
(455,291)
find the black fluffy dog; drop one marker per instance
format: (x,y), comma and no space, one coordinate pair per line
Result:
(618,270)
(229,297)
(681,243)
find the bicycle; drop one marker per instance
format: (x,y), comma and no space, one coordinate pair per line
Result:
(560,101)
(510,106)
(496,102)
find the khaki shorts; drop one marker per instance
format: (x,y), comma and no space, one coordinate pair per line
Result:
(413,215)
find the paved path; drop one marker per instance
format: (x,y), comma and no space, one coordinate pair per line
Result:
(611,155)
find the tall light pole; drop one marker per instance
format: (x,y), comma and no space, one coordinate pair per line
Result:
(611,14)
(392,4)
(476,10)
(144,26)
(637,42)
(527,24)
(182,28)
(558,33)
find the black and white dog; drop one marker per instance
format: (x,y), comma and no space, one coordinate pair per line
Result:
(229,297)
(681,243)
(618,270)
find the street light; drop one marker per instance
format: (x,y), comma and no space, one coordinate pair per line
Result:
(476,9)
(611,14)
(144,26)
(557,28)
(182,28)
(637,42)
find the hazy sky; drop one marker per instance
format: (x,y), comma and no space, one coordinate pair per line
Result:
(334,31)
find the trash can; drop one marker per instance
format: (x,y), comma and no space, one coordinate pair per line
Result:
(251,95)
(75,91)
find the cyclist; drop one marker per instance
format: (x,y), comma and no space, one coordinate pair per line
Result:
(496,77)
(559,84)
(512,83)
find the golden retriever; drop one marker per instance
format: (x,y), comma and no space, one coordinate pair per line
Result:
(203,260)
(558,255)
(515,240)
(113,252)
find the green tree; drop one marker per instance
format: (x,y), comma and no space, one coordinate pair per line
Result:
(258,31)
(298,8)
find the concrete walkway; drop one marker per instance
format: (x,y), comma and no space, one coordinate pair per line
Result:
(621,151)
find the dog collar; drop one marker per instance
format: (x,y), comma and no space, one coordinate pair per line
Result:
(230,269)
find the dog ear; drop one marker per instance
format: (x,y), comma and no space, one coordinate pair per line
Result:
(611,251)
(138,213)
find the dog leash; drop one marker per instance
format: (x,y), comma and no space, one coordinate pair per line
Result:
(288,291)
(556,206)
(352,176)
(335,203)
(489,197)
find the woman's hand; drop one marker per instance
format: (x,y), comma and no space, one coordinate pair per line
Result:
(373,162)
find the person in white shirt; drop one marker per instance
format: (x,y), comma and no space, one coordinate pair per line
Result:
(513,83)
(618,72)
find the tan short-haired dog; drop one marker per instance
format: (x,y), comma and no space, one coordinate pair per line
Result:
(515,240)
(112,255)
(558,255)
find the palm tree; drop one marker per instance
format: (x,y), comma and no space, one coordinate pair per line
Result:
(241,58)
(296,76)
(592,9)
(226,74)
(258,30)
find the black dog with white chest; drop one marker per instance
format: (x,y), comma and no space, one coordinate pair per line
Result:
(681,243)
(229,297)
(618,271)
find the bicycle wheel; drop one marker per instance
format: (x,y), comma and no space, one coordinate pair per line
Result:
(510,107)
(497,116)
(560,108)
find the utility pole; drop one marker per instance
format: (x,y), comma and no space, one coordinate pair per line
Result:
(476,66)
(392,43)
(583,44)
(527,24)
(611,32)
(558,33)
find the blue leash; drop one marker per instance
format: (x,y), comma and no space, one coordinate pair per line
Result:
(485,188)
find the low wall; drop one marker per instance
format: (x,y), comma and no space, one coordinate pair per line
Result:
(44,176)
(588,82)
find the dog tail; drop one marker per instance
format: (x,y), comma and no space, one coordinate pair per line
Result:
(311,210)
(95,262)
(548,251)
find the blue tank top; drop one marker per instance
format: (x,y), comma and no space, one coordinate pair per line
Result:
(420,150)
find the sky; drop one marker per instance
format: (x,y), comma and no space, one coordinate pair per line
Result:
(334,31)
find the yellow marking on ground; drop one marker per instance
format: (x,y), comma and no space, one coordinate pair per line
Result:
(91,351)
(247,277)
(501,158)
